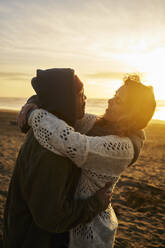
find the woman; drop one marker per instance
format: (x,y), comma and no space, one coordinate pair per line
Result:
(129,111)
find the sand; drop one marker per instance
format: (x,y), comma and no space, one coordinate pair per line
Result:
(139,198)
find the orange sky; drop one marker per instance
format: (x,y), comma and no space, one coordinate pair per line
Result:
(101,40)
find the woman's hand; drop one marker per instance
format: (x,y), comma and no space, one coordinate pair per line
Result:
(22,116)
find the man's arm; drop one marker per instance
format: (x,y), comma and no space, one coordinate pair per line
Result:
(86,123)
(48,191)
(137,141)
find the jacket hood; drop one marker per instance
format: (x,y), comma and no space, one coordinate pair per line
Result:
(56,92)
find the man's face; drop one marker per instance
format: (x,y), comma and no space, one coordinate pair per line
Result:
(80,104)
(117,106)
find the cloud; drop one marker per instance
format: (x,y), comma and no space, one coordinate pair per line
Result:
(16,76)
(81,34)
(105,75)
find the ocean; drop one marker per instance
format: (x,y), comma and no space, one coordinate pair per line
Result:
(95,106)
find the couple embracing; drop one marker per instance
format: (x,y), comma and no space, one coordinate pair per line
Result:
(61,189)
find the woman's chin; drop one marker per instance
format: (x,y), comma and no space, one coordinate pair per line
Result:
(109,117)
(106,115)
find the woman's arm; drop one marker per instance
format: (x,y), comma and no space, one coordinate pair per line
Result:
(82,126)
(110,153)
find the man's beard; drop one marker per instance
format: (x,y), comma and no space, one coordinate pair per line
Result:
(81,112)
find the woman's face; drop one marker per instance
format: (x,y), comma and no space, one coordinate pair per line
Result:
(117,106)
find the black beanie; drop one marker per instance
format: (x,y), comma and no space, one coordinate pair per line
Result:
(56,92)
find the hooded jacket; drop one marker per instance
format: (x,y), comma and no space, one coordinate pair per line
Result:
(56,91)
(40,199)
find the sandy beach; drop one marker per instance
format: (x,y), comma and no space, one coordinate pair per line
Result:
(138,200)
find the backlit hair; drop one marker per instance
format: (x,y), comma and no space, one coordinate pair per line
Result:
(140,107)
(141,102)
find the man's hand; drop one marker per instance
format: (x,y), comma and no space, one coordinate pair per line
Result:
(22,116)
(104,195)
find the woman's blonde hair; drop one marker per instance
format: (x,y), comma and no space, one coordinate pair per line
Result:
(140,105)
(141,102)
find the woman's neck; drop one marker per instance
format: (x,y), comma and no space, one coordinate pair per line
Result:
(104,127)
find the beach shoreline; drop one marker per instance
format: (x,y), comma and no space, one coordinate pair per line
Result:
(138,199)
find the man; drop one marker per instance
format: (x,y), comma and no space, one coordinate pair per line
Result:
(40,207)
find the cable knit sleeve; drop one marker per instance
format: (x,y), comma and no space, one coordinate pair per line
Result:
(108,153)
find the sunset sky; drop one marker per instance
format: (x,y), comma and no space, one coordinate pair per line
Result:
(101,40)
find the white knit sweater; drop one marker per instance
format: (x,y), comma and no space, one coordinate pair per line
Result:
(102,160)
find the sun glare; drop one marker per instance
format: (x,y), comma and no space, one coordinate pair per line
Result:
(152,66)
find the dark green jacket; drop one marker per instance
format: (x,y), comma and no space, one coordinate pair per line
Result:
(40,198)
